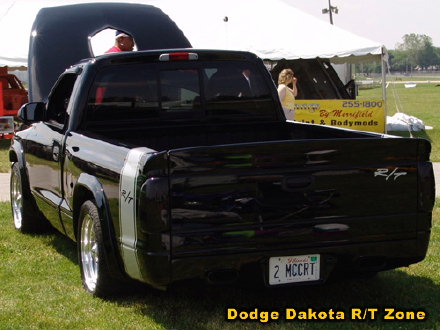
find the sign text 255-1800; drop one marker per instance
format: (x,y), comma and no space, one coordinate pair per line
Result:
(362,104)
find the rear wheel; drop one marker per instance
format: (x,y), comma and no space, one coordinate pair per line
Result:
(27,218)
(94,270)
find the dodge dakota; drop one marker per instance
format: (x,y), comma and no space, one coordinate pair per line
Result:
(167,165)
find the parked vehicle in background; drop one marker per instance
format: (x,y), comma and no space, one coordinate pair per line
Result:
(12,96)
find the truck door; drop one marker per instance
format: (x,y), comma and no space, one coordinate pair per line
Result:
(44,151)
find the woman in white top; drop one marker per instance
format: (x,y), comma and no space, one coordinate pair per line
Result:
(287,95)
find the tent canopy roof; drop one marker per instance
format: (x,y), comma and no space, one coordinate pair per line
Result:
(271,29)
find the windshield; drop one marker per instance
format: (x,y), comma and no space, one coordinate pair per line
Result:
(221,90)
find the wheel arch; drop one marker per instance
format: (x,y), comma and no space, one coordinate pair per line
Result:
(16,154)
(81,194)
(88,187)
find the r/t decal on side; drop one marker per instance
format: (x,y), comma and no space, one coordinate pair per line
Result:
(127,198)
(388,173)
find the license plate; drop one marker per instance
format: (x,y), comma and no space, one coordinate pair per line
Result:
(294,269)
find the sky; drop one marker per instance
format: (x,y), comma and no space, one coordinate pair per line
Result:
(384,21)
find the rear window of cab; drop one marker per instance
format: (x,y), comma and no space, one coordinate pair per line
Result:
(221,89)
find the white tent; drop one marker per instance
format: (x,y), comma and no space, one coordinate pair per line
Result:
(271,29)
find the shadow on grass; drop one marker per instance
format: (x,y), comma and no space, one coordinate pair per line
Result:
(62,244)
(65,246)
(200,307)
(194,305)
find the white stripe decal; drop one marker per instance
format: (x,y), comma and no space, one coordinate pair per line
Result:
(127,210)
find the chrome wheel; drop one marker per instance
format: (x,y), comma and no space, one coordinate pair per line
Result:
(95,273)
(89,253)
(27,217)
(17,200)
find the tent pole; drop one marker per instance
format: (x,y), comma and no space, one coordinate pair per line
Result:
(384,87)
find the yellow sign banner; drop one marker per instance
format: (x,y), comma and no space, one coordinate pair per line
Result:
(364,115)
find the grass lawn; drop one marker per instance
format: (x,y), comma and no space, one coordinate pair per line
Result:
(5,165)
(430,77)
(422,102)
(41,289)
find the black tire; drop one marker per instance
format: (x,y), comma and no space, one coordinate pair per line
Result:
(95,274)
(27,218)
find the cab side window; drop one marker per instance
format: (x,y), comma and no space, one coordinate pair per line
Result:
(59,100)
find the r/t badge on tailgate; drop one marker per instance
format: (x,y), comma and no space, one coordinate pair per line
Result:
(388,173)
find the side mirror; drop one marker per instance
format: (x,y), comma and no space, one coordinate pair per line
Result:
(31,112)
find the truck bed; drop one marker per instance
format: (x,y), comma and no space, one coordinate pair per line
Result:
(167,137)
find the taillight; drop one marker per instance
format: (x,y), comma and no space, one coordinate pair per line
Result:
(426,186)
(182,56)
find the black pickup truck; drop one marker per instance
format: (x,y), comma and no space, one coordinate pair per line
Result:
(169,165)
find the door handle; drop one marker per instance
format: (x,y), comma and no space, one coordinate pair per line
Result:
(70,151)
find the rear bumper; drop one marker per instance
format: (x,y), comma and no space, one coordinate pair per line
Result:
(253,266)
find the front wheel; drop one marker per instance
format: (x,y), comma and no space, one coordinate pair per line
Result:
(94,271)
(27,218)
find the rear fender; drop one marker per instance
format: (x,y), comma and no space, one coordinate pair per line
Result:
(89,187)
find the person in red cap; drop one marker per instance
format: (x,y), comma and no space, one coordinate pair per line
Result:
(123,42)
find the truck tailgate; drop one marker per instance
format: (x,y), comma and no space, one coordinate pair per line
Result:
(288,194)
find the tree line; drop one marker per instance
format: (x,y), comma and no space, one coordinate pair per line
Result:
(415,53)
